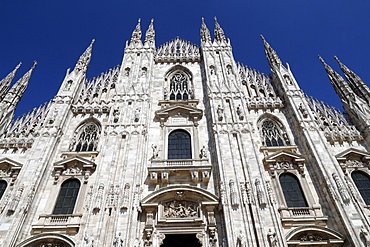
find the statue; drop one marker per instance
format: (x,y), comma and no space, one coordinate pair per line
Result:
(203,153)
(118,241)
(220,112)
(155,152)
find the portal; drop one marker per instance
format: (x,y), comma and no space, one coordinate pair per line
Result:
(181,240)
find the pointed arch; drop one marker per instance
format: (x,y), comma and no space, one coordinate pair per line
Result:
(67,197)
(292,191)
(180,86)
(86,136)
(179,145)
(272,132)
(362,182)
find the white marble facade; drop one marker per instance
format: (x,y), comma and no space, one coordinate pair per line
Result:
(107,143)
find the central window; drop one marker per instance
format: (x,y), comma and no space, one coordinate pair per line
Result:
(179,145)
(179,89)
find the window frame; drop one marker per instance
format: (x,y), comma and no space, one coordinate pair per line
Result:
(366,174)
(181,130)
(300,187)
(76,203)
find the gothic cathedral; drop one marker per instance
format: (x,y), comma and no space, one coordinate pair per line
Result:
(180,145)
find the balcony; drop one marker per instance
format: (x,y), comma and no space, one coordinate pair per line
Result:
(179,171)
(302,215)
(61,223)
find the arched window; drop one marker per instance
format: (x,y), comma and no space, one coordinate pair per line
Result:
(179,145)
(179,86)
(362,182)
(3,186)
(87,137)
(292,191)
(67,197)
(271,134)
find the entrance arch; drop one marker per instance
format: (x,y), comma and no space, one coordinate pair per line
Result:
(181,216)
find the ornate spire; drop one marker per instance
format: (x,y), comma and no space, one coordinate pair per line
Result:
(136,34)
(355,82)
(17,90)
(150,34)
(341,87)
(84,60)
(271,54)
(5,83)
(205,35)
(219,33)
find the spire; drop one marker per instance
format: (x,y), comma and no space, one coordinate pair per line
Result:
(17,90)
(271,54)
(84,60)
(136,34)
(205,35)
(219,33)
(355,82)
(341,87)
(150,34)
(5,83)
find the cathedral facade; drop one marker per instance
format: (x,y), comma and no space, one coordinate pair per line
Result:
(180,145)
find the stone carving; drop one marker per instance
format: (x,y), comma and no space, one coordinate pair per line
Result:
(284,165)
(203,153)
(112,198)
(270,192)
(125,196)
(14,203)
(5,171)
(303,111)
(271,236)
(179,50)
(243,193)
(233,194)
(137,115)
(161,237)
(118,241)
(242,241)
(342,190)
(180,209)
(310,237)
(116,115)
(260,193)
(99,198)
(212,237)
(148,238)
(88,198)
(72,170)
(239,112)
(365,234)
(220,113)
(165,93)
(88,241)
(155,152)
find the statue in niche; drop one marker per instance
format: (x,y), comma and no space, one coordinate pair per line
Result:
(239,112)
(118,241)
(116,115)
(88,241)
(68,85)
(137,114)
(271,238)
(220,112)
(155,152)
(203,153)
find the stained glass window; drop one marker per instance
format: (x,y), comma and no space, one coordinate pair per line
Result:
(179,145)
(292,190)
(67,197)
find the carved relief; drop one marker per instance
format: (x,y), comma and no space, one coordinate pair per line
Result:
(181,209)
(342,190)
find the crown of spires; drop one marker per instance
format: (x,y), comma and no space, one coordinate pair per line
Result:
(271,54)
(5,83)
(341,87)
(219,33)
(150,34)
(205,35)
(136,34)
(355,82)
(84,60)
(20,86)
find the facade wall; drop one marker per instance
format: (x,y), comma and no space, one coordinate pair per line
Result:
(227,193)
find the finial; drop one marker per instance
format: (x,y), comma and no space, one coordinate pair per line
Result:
(321,60)
(34,64)
(263,38)
(152,20)
(337,59)
(19,65)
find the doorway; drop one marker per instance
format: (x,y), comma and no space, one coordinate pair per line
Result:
(181,240)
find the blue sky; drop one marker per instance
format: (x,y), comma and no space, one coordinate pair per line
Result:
(55,33)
